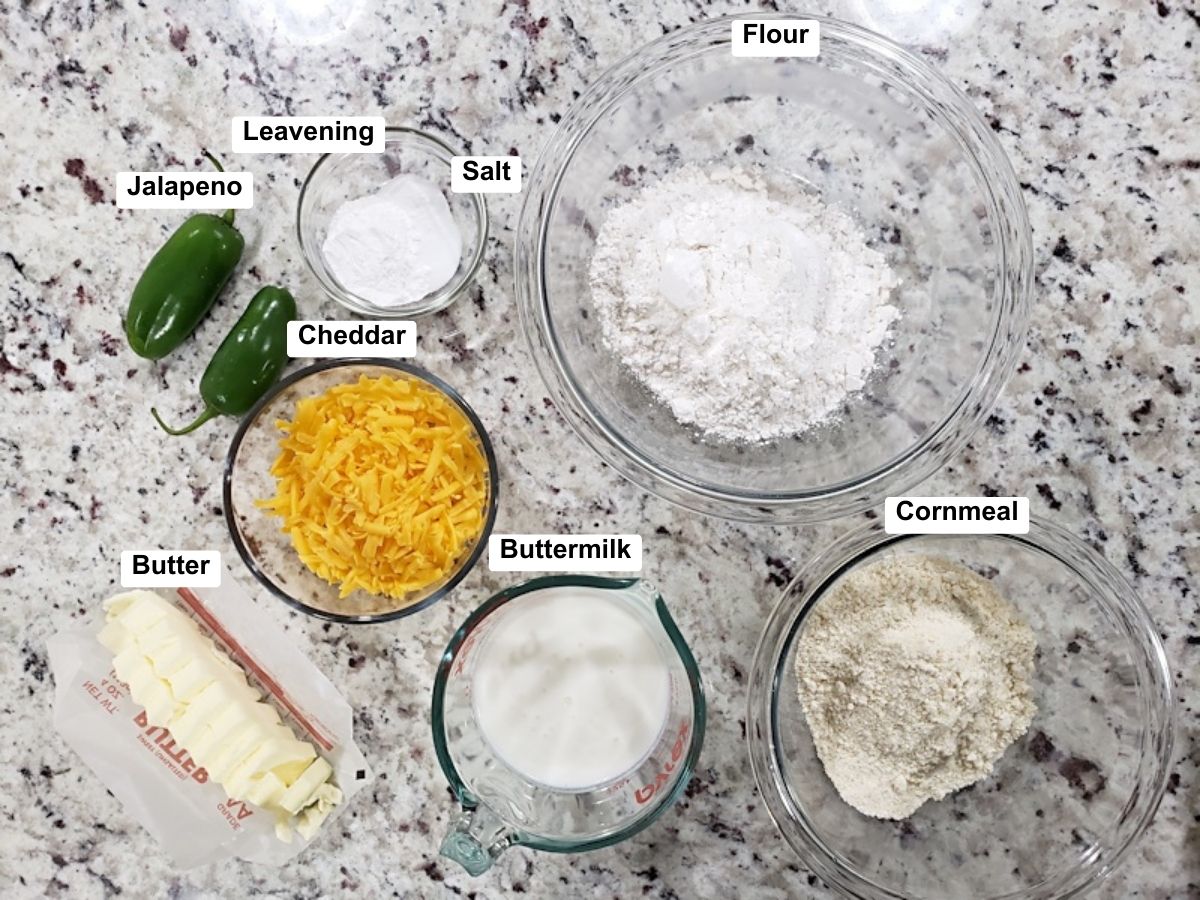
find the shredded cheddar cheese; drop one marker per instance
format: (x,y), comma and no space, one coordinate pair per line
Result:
(381,485)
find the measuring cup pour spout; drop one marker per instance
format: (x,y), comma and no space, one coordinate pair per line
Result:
(476,838)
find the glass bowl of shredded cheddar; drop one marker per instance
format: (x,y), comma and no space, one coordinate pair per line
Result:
(360,490)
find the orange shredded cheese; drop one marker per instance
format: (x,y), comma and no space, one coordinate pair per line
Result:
(381,485)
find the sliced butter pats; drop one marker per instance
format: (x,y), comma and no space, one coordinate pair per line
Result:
(216,732)
(313,816)
(168,629)
(116,637)
(315,811)
(290,771)
(159,704)
(137,610)
(255,729)
(170,656)
(194,718)
(302,789)
(265,758)
(267,790)
(190,686)
(193,677)
(135,670)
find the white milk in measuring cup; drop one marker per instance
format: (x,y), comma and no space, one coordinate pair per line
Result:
(567,715)
(571,689)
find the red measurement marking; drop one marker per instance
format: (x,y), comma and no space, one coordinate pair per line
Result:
(196,605)
(646,793)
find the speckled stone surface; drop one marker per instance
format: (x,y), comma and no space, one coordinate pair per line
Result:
(1096,106)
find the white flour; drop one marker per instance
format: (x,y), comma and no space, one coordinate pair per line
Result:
(396,244)
(752,315)
(914,675)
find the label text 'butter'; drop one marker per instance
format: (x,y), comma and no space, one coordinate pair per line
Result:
(170,568)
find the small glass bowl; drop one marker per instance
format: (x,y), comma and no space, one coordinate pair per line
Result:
(338,177)
(268,552)
(1066,801)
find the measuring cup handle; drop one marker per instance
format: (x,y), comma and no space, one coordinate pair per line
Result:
(476,838)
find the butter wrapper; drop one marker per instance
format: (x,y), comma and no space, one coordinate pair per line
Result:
(155,779)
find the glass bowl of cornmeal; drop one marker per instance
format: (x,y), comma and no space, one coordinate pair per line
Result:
(1065,800)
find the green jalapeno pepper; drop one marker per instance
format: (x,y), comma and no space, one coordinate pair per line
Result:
(248,361)
(182,282)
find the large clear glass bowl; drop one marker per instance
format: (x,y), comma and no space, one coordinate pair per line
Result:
(1066,801)
(865,126)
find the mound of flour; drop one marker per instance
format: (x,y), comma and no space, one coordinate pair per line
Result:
(752,315)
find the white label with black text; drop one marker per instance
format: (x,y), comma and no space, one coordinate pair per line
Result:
(565,553)
(485,174)
(309,134)
(350,338)
(956,515)
(170,568)
(185,190)
(776,37)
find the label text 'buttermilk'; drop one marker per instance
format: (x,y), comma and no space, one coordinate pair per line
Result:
(577,553)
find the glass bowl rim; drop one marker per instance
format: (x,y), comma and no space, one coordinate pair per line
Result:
(468,562)
(978,147)
(1156,695)
(687,765)
(430,303)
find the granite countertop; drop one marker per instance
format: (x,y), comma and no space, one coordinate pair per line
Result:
(1096,107)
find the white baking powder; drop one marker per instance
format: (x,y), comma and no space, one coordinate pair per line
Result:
(751,311)
(394,245)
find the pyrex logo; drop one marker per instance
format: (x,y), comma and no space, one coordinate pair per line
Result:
(644,794)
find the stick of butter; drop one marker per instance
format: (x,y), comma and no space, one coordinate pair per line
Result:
(190,687)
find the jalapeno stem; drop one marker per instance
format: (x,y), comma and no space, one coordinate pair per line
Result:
(209,413)
(229,213)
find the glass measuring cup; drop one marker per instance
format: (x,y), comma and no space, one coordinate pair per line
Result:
(501,807)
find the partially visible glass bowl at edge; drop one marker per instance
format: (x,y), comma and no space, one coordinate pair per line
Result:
(1063,805)
(866,127)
